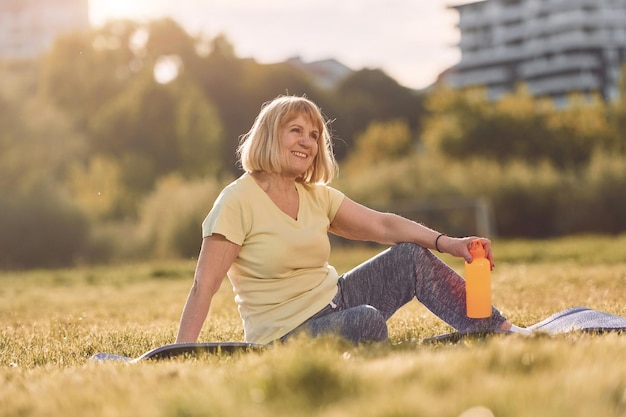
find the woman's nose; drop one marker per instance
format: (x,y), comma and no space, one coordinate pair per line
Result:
(305,140)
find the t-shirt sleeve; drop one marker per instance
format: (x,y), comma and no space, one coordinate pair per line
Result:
(226,218)
(335,198)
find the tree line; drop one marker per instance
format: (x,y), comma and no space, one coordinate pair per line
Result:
(101,160)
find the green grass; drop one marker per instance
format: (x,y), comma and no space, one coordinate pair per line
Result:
(51,322)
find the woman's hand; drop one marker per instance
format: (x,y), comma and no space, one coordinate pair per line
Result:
(459,247)
(357,222)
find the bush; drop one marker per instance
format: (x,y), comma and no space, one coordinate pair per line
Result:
(40,229)
(171,217)
(600,198)
(533,201)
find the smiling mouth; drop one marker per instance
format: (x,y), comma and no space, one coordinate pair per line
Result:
(300,154)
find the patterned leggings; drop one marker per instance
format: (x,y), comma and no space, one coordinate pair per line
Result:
(371,293)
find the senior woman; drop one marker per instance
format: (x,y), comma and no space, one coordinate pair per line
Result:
(268,232)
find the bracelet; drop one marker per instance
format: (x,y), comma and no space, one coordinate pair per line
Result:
(437,242)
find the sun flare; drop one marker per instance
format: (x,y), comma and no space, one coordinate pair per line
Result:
(102,10)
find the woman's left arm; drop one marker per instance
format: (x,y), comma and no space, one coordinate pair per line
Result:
(357,222)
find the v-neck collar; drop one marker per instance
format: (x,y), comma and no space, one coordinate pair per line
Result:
(269,199)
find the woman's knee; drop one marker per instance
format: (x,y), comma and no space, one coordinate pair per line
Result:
(418,255)
(367,325)
(409,249)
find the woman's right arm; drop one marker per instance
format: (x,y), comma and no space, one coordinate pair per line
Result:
(217,254)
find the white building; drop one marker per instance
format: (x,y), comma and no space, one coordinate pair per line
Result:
(29,27)
(555,46)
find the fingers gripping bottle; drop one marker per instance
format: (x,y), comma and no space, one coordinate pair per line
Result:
(478,283)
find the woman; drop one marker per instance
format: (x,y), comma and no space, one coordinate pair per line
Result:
(268,231)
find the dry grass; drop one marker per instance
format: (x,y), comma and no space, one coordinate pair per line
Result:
(51,322)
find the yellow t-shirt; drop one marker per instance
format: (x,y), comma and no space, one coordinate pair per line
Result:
(281,276)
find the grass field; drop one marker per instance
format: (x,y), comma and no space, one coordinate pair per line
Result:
(51,322)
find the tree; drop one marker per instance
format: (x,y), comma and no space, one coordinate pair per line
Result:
(382,141)
(618,114)
(81,73)
(579,130)
(37,141)
(238,88)
(465,123)
(371,95)
(220,76)
(156,129)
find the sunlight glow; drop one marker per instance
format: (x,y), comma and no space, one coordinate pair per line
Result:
(413,41)
(102,10)
(167,68)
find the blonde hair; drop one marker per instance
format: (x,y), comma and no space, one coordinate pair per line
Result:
(259,149)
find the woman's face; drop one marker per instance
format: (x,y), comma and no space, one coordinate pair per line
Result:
(299,142)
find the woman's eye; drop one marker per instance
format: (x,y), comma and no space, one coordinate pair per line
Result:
(300,131)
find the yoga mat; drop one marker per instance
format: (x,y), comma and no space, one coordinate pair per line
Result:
(573,319)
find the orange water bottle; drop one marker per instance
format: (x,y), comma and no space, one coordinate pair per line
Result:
(478,283)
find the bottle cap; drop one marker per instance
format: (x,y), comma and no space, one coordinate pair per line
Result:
(476,249)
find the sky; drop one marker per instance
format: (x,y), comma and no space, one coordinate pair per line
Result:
(411,40)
